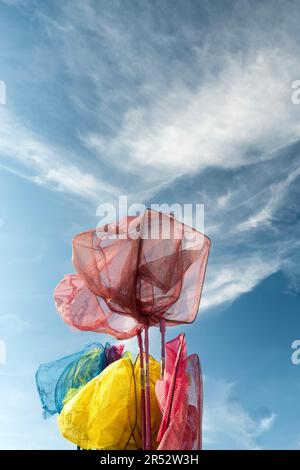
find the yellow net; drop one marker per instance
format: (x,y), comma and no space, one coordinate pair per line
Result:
(105,413)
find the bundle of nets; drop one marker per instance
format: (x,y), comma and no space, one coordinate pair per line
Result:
(59,380)
(106,413)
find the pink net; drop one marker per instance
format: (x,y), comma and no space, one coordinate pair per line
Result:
(146,267)
(83,310)
(179,396)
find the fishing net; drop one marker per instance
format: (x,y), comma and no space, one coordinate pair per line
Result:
(83,310)
(105,414)
(144,268)
(60,380)
(179,396)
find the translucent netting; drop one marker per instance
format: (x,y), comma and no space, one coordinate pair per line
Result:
(179,396)
(60,380)
(82,309)
(146,267)
(105,413)
(113,353)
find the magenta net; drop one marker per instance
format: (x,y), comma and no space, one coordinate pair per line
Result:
(179,396)
(143,268)
(114,353)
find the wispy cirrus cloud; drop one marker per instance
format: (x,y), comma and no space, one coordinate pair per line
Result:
(231,119)
(234,111)
(227,423)
(236,276)
(166,102)
(45,163)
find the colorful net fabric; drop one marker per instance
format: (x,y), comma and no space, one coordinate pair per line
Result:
(114,353)
(179,396)
(60,380)
(83,310)
(146,267)
(140,271)
(104,414)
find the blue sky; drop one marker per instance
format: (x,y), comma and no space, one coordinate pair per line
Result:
(164,101)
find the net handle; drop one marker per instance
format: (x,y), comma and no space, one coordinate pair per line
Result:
(142,379)
(147,393)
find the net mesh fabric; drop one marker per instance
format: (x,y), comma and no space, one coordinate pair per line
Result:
(113,353)
(83,310)
(105,415)
(179,396)
(60,380)
(143,268)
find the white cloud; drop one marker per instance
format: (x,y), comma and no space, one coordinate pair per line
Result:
(266,423)
(236,112)
(226,422)
(277,195)
(47,164)
(242,108)
(165,105)
(230,279)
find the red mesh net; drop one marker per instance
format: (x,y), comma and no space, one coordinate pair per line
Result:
(144,267)
(179,396)
(83,310)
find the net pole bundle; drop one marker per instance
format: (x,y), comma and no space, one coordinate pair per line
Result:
(145,381)
(142,379)
(127,282)
(147,393)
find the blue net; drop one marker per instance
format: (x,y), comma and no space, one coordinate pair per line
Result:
(60,380)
